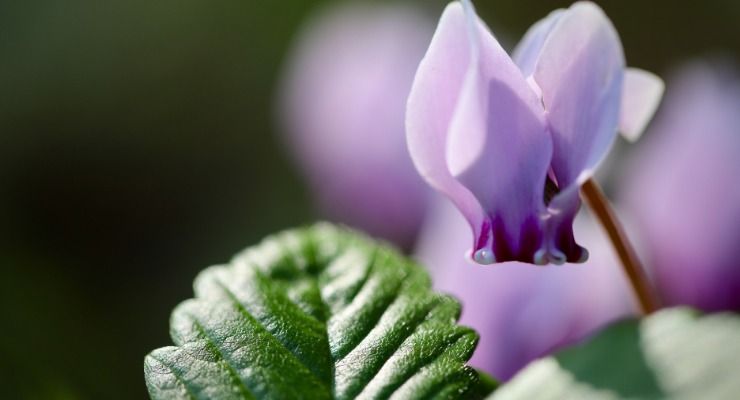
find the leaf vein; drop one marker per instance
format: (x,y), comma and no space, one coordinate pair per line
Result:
(177,376)
(229,365)
(245,313)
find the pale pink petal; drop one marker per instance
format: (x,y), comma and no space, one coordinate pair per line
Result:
(498,147)
(640,98)
(527,52)
(476,132)
(431,106)
(580,72)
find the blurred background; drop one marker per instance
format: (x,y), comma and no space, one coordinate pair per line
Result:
(139,144)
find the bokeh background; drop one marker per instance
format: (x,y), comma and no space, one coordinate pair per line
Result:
(139,144)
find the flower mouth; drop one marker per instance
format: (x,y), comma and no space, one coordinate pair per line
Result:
(497,244)
(551,188)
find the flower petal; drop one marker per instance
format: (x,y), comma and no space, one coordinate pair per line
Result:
(640,98)
(560,245)
(580,72)
(498,147)
(527,52)
(431,105)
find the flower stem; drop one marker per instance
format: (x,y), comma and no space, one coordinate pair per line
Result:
(599,204)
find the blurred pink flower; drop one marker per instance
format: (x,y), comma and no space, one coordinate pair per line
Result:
(523,311)
(342,103)
(683,189)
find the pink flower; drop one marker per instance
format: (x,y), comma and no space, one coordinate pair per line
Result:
(510,140)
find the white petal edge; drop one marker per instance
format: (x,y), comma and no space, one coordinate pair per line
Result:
(641,96)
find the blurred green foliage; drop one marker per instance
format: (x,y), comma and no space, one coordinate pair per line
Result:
(674,353)
(137,144)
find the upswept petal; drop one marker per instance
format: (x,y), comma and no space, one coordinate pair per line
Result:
(640,98)
(430,108)
(581,64)
(499,148)
(527,52)
(580,73)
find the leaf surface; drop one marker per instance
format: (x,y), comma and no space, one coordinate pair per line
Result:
(315,313)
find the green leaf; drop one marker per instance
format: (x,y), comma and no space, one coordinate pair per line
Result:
(315,313)
(673,354)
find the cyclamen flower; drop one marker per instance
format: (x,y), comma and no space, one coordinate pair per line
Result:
(489,130)
(342,105)
(679,195)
